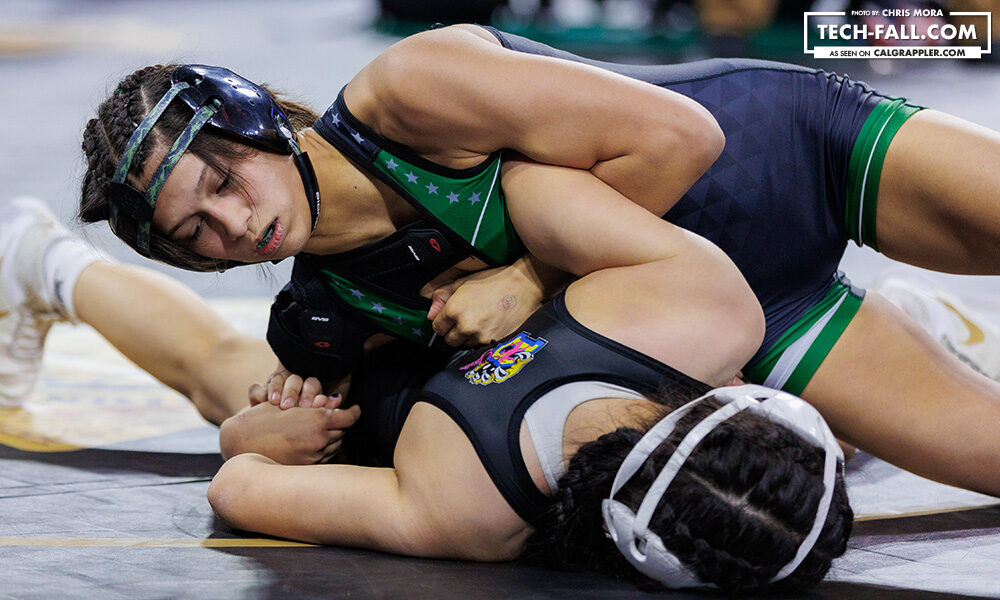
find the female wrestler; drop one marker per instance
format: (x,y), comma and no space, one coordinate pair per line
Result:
(808,158)
(772,470)
(473,465)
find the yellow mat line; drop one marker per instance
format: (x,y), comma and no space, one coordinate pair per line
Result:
(38,445)
(921,513)
(151,543)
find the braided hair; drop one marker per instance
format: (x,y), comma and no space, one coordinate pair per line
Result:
(735,514)
(105,138)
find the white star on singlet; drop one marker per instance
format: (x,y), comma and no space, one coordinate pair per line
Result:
(432,189)
(357,293)
(377,307)
(474,198)
(416,332)
(452,198)
(391,165)
(336,118)
(399,320)
(357,136)
(411,177)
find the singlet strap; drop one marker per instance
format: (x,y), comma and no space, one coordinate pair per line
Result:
(546,421)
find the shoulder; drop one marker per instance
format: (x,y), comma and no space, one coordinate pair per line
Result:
(425,91)
(423,54)
(463,514)
(444,39)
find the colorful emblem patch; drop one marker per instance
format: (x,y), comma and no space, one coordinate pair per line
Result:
(499,364)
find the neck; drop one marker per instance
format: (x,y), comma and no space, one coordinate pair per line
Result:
(593,418)
(355,209)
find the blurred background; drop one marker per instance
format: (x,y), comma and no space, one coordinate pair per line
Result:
(60,58)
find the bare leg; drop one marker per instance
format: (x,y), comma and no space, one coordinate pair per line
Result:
(170,332)
(891,390)
(939,195)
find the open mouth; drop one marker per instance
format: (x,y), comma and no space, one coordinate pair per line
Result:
(271,239)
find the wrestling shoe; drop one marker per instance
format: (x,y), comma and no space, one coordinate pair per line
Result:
(963,331)
(27,308)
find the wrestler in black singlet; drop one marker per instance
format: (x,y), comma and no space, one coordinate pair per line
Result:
(486,391)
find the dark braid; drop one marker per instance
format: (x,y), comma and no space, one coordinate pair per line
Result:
(735,514)
(105,137)
(572,536)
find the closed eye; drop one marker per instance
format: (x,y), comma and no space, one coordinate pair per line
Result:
(224,184)
(196,233)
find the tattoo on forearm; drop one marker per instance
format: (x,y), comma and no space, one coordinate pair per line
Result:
(507,302)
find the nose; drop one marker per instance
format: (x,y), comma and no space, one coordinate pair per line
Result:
(232,213)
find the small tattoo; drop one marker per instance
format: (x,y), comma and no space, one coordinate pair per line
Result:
(507,302)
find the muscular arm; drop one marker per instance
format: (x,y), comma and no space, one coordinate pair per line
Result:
(455,92)
(650,284)
(580,224)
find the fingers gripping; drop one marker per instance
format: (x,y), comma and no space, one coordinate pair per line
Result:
(343,418)
(438,301)
(257,394)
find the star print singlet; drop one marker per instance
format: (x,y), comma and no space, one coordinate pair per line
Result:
(464,214)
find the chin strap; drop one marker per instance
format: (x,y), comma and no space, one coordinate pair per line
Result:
(306,171)
(304,165)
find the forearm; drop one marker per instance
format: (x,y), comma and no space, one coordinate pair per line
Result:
(579,224)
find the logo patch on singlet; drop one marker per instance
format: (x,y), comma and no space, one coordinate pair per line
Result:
(499,364)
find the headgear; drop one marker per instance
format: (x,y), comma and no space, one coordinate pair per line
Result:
(222,100)
(630,531)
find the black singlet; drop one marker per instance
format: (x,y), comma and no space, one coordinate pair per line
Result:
(487,391)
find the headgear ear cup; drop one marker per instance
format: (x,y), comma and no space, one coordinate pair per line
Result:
(627,528)
(653,559)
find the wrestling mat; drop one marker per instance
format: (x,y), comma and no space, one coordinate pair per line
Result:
(102,495)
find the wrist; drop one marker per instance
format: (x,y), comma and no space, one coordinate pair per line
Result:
(528,286)
(544,280)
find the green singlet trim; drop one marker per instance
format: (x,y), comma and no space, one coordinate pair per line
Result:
(798,353)
(394,318)
(474,207)
(864,169)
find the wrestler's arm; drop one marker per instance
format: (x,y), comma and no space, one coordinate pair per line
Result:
(456,90)
(438,501)
(580,225)
(325,504)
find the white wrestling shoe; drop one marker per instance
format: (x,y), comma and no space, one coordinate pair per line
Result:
(963,331)
(27,309)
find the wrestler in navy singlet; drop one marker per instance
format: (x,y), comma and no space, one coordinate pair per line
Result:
(486,391)
(797,179)
(777,199)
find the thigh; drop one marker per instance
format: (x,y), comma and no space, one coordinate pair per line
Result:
(892,391)
(939,195)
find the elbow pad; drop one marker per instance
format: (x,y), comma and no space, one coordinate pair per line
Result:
(313,333)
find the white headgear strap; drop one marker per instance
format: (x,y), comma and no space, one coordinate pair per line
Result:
(627,528)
